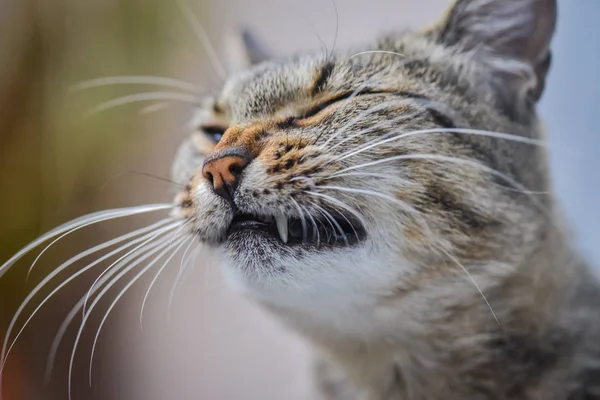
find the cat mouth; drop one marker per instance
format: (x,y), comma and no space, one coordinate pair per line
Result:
(331,229)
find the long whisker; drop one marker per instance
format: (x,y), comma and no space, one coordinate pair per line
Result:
(438,157)
(165,264)
(5,348)
(375,52)
(455,160)
(121,261)
(136,80)
(405,206)
(351,225)
(122,293)
(307,21)
(74,223)
(378,125)
(323,45)
(326,217)
(152,108)
(302,220)
(497,135)
(344,105)
(329,217)
(145,174)
(369,174)
(395,178)
(139,97)
(398,180)
(472,280)
(314,224)
(177,279)
(203,36)
(155,248)
(337,27)
(381,106)
(115,215)
(338,203)
(107,275)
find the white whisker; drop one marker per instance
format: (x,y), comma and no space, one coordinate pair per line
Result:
(154,107)
(440,157)
(95,221)
(471,163)
(155,248)
(315,225)
(371,175)
(5,348)
(140,97)
(169,247)
(203,36)
(382,106)
(127,256)
(356,92)
(472,280)
(107,274)
(136,80)
(158,273)
(177,279)
(302,220)
(376,52)
(372,128)
(330,218)
(76,222)
(338,203)
(497,135)
(337,27)
(319,209)
(405,206)
(351,225)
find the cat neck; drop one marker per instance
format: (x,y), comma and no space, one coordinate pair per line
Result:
(432,343)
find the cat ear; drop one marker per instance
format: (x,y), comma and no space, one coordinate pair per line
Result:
(243,51)
(513,30)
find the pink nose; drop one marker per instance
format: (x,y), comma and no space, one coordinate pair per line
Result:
(223,170)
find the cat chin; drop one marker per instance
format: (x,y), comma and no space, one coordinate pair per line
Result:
(321,286)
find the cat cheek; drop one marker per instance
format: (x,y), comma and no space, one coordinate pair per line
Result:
(209,214)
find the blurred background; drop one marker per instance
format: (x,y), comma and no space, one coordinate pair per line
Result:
(59,161)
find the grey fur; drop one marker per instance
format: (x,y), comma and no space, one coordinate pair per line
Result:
(405,312)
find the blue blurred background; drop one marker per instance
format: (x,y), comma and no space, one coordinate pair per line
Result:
(571,109)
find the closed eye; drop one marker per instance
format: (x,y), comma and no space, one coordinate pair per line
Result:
(311,112)
(215,132)
(343,96)
(442,119)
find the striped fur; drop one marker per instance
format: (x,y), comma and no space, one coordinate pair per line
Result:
(464,285)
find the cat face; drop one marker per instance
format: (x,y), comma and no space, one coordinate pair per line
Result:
(341,181)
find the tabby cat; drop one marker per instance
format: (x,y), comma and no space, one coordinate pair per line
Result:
(392,205)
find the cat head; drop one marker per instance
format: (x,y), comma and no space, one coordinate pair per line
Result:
(334,182)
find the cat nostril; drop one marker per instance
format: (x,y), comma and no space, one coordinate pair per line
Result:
(209,177)
(235,170)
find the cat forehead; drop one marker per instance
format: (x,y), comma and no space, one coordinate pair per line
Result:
(264,88)
(387,64)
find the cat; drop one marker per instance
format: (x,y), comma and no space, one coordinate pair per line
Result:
(392,204)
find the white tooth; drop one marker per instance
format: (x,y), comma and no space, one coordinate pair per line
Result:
(282,227)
